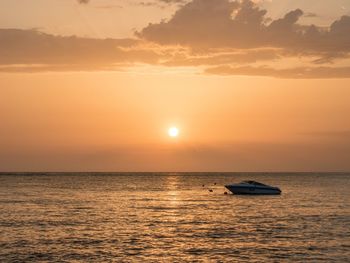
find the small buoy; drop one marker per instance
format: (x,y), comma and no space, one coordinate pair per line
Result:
(210,190)
(214,183)
(203,185)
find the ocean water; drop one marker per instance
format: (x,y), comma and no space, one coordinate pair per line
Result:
(172,217)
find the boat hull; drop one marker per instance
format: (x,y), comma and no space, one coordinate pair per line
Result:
(253,190)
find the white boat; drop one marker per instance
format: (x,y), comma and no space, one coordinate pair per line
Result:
(253,188)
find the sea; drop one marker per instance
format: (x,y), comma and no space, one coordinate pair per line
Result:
(173,217)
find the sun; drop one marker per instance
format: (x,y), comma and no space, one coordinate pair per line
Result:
(173,132)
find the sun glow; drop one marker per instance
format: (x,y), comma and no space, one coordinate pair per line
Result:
(173,132)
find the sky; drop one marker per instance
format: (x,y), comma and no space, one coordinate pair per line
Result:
(251,85)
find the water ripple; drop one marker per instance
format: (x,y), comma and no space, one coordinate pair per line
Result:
(172,218)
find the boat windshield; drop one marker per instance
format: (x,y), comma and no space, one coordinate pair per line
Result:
(252,182)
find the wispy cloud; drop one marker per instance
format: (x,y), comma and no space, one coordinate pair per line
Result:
(291,73)
(310,14)
(83,1)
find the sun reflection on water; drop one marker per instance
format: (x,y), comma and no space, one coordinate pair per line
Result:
(172,217)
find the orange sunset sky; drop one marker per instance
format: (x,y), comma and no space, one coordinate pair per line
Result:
(251,85)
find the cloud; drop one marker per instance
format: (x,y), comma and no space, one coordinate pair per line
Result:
(291,73)
(242,24)
(31,50)
(172,1)
(108,6)
(217,58)
(310,14)
(193,24)
(221,37)
(159,3)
